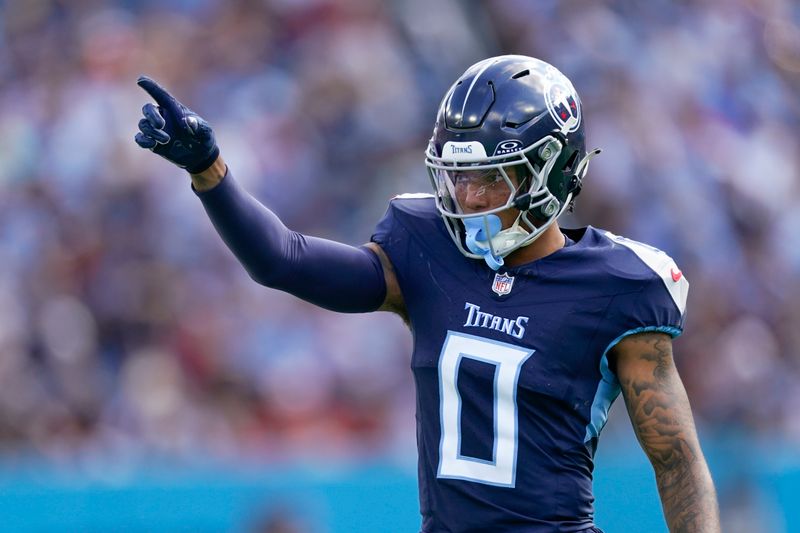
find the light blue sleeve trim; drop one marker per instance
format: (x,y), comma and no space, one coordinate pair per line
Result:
(608,388)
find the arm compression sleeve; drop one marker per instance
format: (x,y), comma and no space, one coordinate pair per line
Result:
(329,274)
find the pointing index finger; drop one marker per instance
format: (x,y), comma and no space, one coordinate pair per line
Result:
(159,94)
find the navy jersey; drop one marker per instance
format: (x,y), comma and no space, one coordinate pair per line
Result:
(511,374)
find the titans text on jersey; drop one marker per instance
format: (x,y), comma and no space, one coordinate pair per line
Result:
(514,388)
(480,319)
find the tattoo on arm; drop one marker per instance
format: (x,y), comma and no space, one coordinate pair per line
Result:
(661,416)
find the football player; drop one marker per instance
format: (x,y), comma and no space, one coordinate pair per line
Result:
(524,332)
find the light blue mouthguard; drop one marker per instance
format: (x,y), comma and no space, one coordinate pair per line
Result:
(476,231)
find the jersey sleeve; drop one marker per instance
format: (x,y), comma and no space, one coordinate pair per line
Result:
(658,303)
(654,308)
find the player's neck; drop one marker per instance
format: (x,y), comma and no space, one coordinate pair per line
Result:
(549,242)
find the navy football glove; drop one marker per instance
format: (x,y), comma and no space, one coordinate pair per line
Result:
(174,131)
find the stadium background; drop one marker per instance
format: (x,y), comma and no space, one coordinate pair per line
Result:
(146,384)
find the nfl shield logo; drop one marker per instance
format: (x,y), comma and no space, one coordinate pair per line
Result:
(502,284)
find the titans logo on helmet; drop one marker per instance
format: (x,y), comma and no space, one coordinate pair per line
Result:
(563,104)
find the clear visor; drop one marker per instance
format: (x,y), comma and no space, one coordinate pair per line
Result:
(466,191)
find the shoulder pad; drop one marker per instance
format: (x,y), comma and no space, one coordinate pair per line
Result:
(661,264)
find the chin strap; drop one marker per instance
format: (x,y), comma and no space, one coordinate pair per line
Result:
(478,242)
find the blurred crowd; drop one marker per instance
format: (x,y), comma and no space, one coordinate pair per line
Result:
(128,329)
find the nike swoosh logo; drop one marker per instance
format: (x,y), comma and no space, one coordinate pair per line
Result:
(676,276)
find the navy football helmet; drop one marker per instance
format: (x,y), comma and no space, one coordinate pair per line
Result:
(507,112)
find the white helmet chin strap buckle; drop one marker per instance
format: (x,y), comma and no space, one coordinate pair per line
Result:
(505,239)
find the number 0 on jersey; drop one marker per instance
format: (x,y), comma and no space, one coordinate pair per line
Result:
(508,359)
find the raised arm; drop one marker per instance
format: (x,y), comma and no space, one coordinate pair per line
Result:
(662,419)
(327,273)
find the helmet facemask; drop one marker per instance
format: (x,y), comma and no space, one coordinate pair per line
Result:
(476,231)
